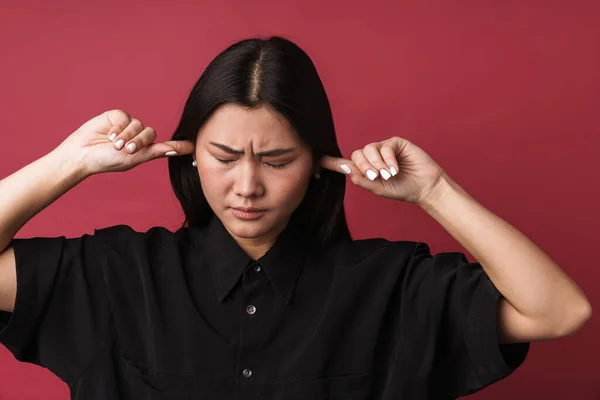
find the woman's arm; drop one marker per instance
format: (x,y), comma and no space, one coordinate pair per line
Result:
(540,301)
(31,189)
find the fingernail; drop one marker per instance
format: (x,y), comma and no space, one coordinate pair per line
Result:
(120,143)
(393,171)
(171,153)
(131,147)
(371,174)
(346,169)
(112,137)
(384,174)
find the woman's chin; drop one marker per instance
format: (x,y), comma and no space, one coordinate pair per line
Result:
(252,229)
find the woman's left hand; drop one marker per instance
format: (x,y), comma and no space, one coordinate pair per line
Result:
(394,168)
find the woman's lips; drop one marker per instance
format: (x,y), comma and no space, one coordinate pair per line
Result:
(248,213)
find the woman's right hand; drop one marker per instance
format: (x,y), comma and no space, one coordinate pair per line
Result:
(91,144)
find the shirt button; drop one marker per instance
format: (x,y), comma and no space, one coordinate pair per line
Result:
(257,269)
(251,310)
(247,373)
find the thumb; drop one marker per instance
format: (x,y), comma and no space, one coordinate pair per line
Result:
(181,147)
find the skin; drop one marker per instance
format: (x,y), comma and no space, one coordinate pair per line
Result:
(275,181)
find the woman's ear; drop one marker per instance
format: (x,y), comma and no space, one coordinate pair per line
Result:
(316,170)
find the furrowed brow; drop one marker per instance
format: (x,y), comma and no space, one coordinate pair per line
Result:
(269,153)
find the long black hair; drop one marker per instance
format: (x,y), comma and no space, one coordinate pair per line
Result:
(277,72)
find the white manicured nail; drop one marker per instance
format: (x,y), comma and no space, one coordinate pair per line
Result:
(384,174)
(393,171)
(346,169)
(371,174)
(112,137)
(131,147)
(120,143)
(170,153)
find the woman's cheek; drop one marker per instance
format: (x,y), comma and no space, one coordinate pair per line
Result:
(289,185)
(211,177)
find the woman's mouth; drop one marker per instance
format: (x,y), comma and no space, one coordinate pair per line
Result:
(248,213)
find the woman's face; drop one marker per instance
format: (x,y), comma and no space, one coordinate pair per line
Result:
(254,170)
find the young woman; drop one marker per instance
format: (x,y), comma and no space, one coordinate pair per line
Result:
(262,293)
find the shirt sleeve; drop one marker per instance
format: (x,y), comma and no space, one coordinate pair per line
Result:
(450,311)
(61,313)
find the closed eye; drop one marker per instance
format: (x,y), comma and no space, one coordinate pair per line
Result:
(225,161)
(276,166)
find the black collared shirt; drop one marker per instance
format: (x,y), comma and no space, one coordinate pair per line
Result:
(122,314)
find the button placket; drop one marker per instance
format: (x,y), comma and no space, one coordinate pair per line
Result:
(254,282)
(253,289)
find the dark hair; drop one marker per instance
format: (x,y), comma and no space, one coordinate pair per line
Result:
(277,72)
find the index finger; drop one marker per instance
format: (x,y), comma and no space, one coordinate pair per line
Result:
(171,148)
(336,164)
(182,147)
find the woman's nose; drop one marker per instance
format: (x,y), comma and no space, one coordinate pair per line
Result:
(248,182)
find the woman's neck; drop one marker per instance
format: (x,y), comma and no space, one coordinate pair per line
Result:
(257,247)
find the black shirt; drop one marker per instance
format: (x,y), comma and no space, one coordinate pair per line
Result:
(122,314)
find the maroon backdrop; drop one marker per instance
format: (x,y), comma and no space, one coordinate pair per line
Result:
(505,95)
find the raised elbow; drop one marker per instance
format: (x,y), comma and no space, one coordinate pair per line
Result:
(586,312)
(577,317)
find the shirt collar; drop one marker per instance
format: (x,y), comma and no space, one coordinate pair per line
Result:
(227,261)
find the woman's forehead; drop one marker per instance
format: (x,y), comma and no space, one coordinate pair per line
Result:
(243,127)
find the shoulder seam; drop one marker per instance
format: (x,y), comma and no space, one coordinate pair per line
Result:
(377,249)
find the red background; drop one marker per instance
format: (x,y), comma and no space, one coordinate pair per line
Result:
(505,95)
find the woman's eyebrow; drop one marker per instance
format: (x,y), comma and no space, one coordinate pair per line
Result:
(269,153)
